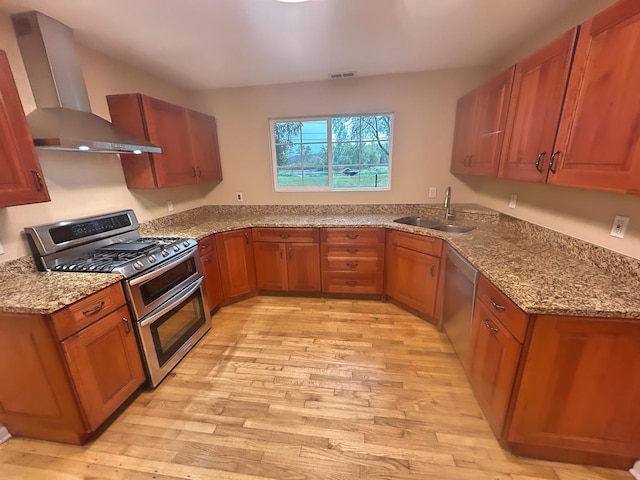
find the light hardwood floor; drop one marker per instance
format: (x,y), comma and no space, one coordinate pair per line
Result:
(291,388)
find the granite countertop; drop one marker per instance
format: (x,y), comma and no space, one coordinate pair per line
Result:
(540,276)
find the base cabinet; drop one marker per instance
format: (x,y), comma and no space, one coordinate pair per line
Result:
(237,265)
(64,390)
(210,264)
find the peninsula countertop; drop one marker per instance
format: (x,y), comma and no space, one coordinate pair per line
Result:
(539,276)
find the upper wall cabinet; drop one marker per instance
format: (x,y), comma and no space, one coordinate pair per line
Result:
(534,111)
(481,117)
(21,179)
(188,140)
(598,144)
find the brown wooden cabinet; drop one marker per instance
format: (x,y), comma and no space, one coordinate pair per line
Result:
(64,390)
(412,269)
(598,144)
(237,266)
(188,139)
(211,271)
(287,259)
(481,118)
(534,110)
(21,178)
(352,260)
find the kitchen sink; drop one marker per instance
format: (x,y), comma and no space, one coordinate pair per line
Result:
(433,224)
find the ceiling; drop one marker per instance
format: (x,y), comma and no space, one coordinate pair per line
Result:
(202,44)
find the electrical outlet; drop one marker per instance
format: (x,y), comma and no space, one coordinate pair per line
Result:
(239,197)
(169,206)
(619,227)
(1,249)
(513,201)
(433,191)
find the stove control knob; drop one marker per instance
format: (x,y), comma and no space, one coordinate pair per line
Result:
(176,248)
(152,258)
(164,252)
(185,243)
(138,265)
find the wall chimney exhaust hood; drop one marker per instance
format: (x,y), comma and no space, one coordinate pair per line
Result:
(63,118)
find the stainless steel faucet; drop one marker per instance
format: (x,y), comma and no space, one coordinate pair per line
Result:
(447,205)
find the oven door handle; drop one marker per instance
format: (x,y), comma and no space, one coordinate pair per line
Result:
(176,300)
(156,272)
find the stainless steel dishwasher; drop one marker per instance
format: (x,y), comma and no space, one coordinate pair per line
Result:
(460,283)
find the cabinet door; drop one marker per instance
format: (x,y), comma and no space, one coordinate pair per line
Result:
(212,279)
(491,366)
(534,110)
(491,121)
(21,179)
(168,127)
(204,142)
(463,136)
(412,278)
(599,135)
(580,387)
(303,267)
(237,268)
(105,365)
(271,265)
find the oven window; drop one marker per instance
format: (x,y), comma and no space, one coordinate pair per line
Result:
(155,288)
(174,328)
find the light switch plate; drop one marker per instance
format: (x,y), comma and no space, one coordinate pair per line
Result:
(619,227)
(513,201)
(169,206)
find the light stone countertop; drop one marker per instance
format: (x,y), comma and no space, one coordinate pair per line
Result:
(540,276)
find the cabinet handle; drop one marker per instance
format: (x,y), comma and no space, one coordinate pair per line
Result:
(552,162)
(352,264)
(127,326)
(199,171)
(352,236)
(281,257)
(38,179)
(432,270)
(289,253)
(207,260)
(246,238)
(94,310)
(469,162)
(497,306)
(284,235)
(352,251)
(491,328)
(351,283)
(466,161)
(539,161)
(194,172)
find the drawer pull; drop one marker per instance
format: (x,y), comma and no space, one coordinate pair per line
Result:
(351,283)
(94,310)
(498,307)
(432,270)
(284,235)
(352,236)
(127,326)
(352,251)
(352,264)
(491,328)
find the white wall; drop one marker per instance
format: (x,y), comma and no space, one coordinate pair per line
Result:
(84,184)
(424,109)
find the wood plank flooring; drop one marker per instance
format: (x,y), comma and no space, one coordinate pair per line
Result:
(292,388)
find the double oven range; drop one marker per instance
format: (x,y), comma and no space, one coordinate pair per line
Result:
(162,279)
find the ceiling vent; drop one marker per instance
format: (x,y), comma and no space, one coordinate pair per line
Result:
(343,74)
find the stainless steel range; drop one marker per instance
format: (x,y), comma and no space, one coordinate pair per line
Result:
(162,279)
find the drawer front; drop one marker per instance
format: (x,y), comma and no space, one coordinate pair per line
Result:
(352,235)
(507,312)
(364,264)
(419,243)
(206,245)
(288,235)
(352,282)
(348,252)
(75,317)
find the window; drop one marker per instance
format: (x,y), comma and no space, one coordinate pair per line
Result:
(332,153)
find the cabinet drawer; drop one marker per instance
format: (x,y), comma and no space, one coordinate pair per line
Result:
(288,235)
(352,235)
(507,312)
(352,282)
(419,243)
(84,312)
(206,245)
(342,264)
(348,252)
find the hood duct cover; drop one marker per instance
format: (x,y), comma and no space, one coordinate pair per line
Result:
(63,119)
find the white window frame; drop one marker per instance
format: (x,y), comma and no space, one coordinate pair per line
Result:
(329,187)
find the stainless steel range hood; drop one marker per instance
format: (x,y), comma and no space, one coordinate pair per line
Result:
(63,119)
